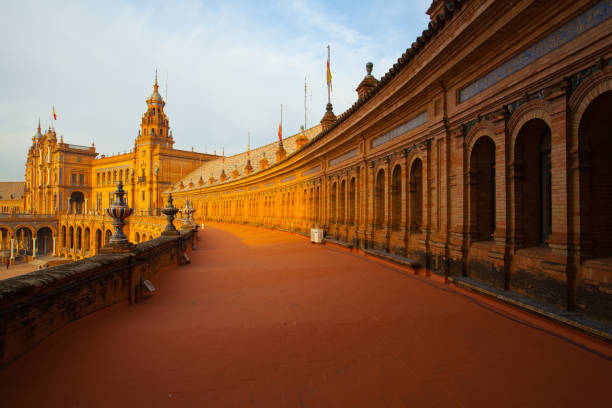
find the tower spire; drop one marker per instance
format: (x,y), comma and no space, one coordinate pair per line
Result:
(38,125)
(155,86)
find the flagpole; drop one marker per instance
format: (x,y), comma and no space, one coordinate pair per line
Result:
(281,124)
(328,68)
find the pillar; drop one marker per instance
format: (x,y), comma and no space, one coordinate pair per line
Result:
(85,208)
(33,247)
(12,249)
(54,239)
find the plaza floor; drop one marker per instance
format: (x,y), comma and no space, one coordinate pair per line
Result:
(265,319)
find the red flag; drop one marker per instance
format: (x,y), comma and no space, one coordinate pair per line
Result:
(54,115)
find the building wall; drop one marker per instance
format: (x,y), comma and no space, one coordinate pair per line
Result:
(474,156)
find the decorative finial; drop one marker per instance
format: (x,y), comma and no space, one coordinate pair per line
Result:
(155,86)
(369,67)
(38,125)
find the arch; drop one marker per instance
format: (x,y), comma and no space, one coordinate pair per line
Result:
(137,238)
(77,199)
(482,128)
(396,196)
(51,227)
(71,237)
(44,240)
(342,202)
(5,233)
(63,237)
(23,235)
(416,195)
(352,201)
(79,238)
(98,240)
(86,239)
(334,198)
(379,199)
(595,178)
(535,109)
(481,186)
(107,236)
(533,189)
(594,86)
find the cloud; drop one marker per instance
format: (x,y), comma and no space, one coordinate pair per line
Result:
(230,65)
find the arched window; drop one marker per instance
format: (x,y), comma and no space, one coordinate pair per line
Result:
(342,206)
(98,179)
(534,188)
(482,189)
(595,146)
(334,197)
(416,195)
(352,203)
(396,197)
(379,199)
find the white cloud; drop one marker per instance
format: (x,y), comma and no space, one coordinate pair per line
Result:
(230,65)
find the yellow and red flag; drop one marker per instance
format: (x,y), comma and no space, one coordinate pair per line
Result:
(329,75)
(54,115)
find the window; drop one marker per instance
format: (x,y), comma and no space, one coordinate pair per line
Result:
(81,179)
(73,179)
(143,195)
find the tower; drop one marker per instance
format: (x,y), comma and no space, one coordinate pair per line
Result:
(155,127)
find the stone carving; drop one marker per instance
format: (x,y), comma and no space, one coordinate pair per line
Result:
(170,211)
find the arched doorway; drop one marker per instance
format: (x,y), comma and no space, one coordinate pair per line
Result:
(595,139)
(77,200)
(86,239)
(334,202)
(107,237)
(137,238)
(4,240)
(79,239)
(63,237)
(396,197)
(534,189)
(379,199)
(352,201)
(416,195)
(482,189)
(44,241)
(98,241)
(71,237)
(342,207)
(24,240)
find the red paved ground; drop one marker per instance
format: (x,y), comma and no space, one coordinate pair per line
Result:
(266,319)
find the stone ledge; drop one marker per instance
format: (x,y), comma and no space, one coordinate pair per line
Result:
(409,262)
(572,319)
(339,243)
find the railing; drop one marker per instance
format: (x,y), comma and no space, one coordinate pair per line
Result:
(63,293)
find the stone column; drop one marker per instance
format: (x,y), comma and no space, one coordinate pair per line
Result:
(54,239)
(12,249)
(85,208)
(33,247)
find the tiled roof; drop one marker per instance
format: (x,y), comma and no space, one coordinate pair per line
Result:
(239,161)
(11,190)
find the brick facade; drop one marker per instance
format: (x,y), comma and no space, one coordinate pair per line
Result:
(484,152)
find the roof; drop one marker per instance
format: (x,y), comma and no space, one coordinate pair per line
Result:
(11,190)
(239,161)
(438,21)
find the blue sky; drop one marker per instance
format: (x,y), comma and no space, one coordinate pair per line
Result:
(229,65)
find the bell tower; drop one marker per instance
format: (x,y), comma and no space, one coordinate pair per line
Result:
(154,127)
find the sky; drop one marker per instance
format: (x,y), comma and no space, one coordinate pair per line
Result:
(227,67)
